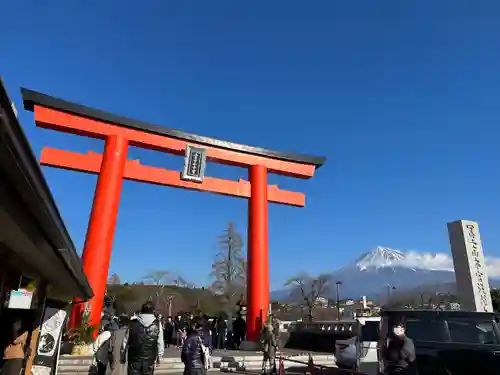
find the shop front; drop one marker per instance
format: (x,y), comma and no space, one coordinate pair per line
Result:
(39,265)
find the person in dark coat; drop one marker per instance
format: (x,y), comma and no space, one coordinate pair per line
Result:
(169,332)
(399,356)
(239,330)
(213,332)
(143,344)
(180,330)
(221,327)
(192,351)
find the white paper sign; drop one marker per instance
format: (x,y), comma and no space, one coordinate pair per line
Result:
(20,299)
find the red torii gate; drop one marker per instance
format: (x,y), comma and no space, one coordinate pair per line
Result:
(113,167)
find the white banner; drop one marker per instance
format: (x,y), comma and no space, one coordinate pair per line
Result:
(49,337)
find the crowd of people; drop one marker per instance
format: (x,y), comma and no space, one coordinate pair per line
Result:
(221,336)
(135,345)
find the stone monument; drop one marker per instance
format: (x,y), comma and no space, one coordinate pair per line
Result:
(470,269)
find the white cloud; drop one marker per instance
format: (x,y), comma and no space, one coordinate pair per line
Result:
(493,267)
(443,262)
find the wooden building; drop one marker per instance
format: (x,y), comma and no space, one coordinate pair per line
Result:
(37,257)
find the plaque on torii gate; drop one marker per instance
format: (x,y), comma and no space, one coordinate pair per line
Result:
(112,167)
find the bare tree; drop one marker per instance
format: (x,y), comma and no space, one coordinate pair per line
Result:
(307,289)
(229,267)
(114,279)
(165,304)
(244,274)
(158,278)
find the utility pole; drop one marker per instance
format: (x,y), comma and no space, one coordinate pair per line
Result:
(198,295)
(170,300)
(338,284)
(390,289)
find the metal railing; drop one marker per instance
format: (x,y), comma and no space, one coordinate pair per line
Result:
(313,368)
(335,326)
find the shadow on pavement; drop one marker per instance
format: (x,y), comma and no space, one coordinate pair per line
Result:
(301,370)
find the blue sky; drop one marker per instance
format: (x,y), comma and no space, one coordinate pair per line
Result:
(402,97)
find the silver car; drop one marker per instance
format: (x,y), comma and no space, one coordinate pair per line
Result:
(361,347)
(347,353)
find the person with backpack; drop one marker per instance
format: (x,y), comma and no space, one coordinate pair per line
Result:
(276,330)
(102,346)
(269,344)
(117,335)
(196,351)
(143,344)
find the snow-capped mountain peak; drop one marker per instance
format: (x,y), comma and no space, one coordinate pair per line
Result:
(379,258)
(374,271)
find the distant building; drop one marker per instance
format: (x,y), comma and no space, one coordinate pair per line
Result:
(322,302)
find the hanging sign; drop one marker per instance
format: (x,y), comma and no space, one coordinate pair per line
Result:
(20,299)
(46,353)
(194,164)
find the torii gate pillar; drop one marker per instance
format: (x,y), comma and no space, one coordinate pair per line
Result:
(258,253)
(96,254)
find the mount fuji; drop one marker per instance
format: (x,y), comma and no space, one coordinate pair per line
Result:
(373,272)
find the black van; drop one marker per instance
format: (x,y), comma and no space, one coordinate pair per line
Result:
(447,342)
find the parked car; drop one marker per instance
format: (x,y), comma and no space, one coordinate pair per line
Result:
(361,348)
(447,342)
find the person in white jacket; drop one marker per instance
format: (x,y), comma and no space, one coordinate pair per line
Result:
(101,347)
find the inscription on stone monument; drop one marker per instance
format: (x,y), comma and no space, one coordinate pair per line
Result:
(470,268)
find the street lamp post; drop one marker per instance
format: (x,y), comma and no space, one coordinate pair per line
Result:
(338,284)
(442,298)
(390,289)
(198,295)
